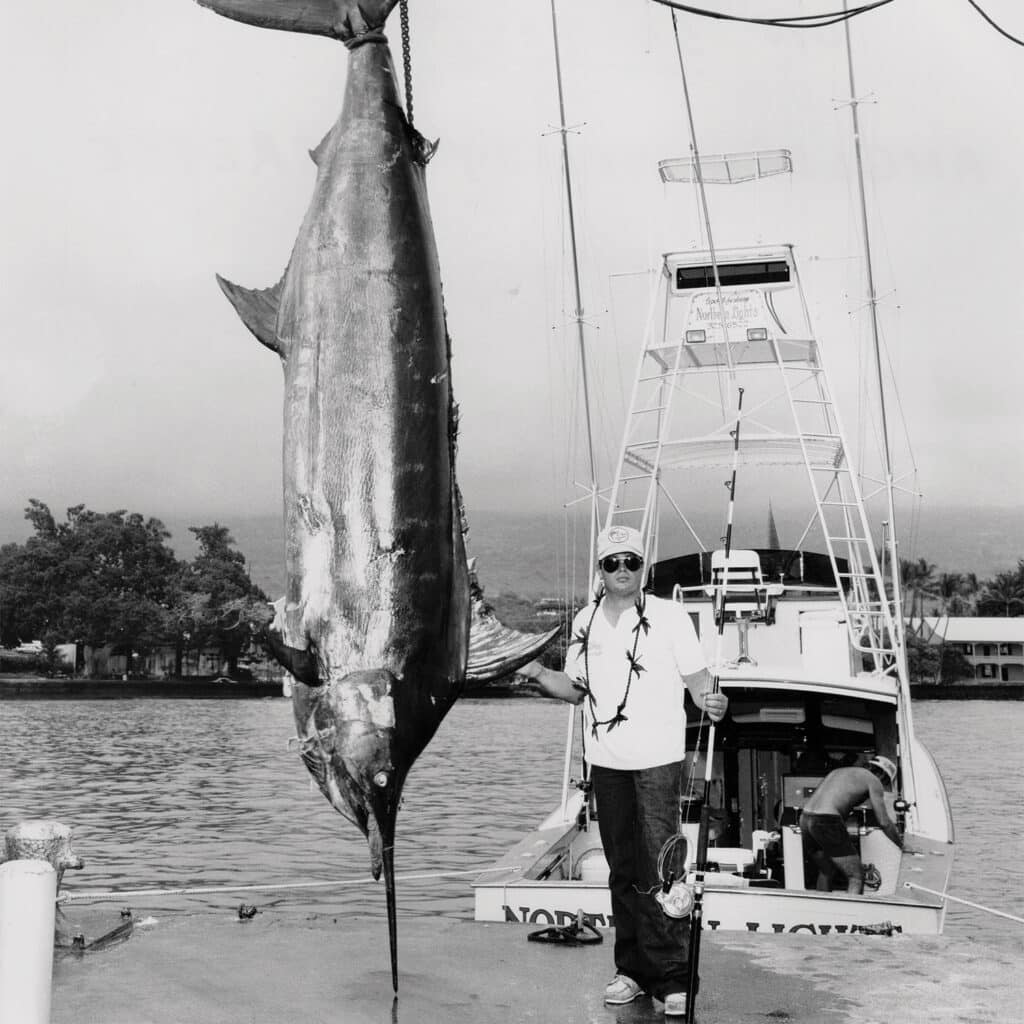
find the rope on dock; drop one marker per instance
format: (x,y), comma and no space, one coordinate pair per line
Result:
(120,894)
(966,903)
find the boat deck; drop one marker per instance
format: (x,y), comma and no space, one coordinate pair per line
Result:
(214,969)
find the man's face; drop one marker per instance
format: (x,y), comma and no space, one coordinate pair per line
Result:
(622,574)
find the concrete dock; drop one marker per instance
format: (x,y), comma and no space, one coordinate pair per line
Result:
(215,969)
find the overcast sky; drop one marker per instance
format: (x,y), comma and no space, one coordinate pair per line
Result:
(149,144)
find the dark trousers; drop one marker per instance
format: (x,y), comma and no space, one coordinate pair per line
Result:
(637,812)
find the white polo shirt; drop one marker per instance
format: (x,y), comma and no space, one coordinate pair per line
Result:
(654,731)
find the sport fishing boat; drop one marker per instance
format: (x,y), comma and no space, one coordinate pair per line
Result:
(806,639)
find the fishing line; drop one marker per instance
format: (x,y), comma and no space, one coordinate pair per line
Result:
(696,912)
(966,903)
(70,897)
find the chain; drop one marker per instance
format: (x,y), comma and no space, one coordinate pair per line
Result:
(406,58)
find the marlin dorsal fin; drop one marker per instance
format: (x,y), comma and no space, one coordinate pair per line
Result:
(317,154)
(257,309)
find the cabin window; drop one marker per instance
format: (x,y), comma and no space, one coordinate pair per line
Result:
(987,671)
(755,272)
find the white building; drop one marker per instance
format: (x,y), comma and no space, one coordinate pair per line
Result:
(993,646)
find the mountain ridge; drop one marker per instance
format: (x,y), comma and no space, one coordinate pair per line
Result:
(530,553)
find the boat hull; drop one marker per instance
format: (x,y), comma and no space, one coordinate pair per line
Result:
(508,893)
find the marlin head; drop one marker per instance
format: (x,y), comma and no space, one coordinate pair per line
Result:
(351,744)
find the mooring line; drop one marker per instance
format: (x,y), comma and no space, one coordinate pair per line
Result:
(966,903)
(120,894)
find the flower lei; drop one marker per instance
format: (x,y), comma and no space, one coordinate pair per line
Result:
(635,668)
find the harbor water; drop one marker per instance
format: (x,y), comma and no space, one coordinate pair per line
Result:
(173,794)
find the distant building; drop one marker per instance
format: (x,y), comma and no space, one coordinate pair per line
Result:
(994,647)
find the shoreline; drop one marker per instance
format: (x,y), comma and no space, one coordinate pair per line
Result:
(16,687)
(24,687)
(39,688)
(967,691)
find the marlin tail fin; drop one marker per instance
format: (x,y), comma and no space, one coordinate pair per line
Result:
(338,19)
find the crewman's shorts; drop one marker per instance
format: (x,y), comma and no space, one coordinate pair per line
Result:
(826,832)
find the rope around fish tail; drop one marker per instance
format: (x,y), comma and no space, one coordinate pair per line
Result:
(697,913)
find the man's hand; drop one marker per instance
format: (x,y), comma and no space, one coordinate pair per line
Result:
(531,670)
(715,704)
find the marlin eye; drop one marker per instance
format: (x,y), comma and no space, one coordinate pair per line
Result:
(381,779)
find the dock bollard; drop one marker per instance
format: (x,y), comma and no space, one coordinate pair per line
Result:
(28,893)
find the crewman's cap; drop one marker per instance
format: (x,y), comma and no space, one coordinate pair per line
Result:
(619,540)
(886,766)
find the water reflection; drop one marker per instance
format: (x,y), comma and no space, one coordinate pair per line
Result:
(180,794)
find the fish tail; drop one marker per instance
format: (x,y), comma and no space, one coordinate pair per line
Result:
(338,19)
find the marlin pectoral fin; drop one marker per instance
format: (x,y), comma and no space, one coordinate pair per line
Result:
(300,663)
(339,19)
(257,310)
(496,650)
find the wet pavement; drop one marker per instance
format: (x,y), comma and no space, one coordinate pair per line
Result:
(215,969)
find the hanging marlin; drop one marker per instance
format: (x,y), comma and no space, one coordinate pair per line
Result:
(375,624)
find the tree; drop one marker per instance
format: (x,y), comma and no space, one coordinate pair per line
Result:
(215,598)
(935,662)
(918,583)
(949,590)
(1003,594)
(97,577)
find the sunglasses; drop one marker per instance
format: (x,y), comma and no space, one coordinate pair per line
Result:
(612,562)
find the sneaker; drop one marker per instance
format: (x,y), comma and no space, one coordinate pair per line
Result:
(675,1004)
(621,990)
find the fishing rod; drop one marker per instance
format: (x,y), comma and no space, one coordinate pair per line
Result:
(696,915)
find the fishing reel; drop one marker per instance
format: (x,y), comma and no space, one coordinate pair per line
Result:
(676,899)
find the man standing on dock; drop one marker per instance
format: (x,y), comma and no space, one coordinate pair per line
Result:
(631,659)
(823,820)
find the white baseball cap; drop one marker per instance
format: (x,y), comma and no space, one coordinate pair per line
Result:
(619,540)
(886,766)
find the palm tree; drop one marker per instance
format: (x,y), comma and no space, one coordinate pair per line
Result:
(1004,592)
(969,588)
(918,583)
(949,589)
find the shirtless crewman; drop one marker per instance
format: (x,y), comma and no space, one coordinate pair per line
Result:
(823,820)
